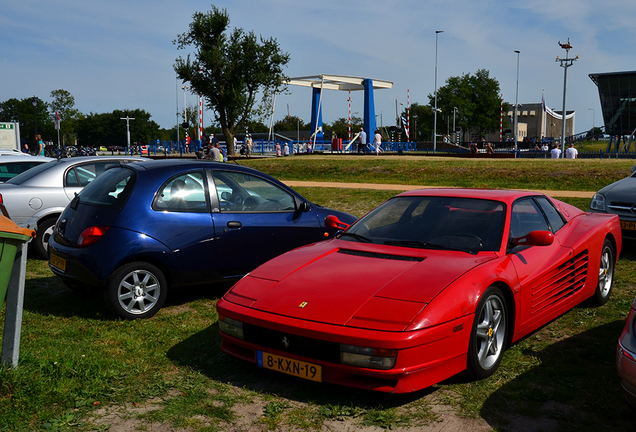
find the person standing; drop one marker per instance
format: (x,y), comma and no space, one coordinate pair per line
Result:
(571,152)
(248,145)
(377,142)
(362,144)
(278,149)
(286,149)
(555,153)
(38,138)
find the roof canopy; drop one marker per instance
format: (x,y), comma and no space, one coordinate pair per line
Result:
(337,82)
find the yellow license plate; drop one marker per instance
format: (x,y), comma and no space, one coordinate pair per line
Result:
(628,225)
(310,371)
(58,262)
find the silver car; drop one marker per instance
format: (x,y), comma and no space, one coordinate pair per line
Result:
(14,163)
(35,198)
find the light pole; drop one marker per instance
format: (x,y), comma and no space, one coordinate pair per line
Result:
(34,102)
(593,118)
(415,128)
(437,32)
(128,118)
(516,122)
(454,129)
(565,64)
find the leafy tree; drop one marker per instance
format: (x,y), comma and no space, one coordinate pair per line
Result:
(23,112)
(477,99)
(421,125)
(290,123)
(64,103)
(229,69)
(108,129)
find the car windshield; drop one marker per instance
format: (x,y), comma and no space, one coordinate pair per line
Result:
(464,224)
(110,189)
(29,174)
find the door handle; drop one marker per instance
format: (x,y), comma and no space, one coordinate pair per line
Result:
(234,224)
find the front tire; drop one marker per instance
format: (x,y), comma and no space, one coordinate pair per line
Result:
(605,274)
(136,290)
(488,335)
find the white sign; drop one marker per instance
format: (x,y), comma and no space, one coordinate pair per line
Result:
(10,136)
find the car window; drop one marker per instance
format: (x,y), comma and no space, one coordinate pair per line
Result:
(29,174)
(81,175)
(554,217)
(465,223)
(182,193)
(526,216)
(9,170)
(240,192)
(111,190)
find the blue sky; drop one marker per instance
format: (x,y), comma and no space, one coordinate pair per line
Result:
(120,55)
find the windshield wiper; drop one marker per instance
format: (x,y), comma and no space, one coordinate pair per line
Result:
(358,237)
(426,245)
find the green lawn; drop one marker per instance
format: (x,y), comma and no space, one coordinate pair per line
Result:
(79,363)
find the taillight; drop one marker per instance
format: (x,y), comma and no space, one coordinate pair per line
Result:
(1,199)
(90,235)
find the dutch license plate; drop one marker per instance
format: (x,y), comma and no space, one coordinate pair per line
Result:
(310,371)
(628,225)
(58,262)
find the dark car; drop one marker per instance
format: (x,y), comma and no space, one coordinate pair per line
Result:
(619,198)
(141,228)
(626,358)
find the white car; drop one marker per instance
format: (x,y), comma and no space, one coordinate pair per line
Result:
(13,163)
(35,198)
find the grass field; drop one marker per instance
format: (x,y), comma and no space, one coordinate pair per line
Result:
(81,367)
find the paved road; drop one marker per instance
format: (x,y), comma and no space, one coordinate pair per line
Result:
(398,187)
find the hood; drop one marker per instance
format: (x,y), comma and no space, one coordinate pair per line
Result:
(623,190)
(346,283)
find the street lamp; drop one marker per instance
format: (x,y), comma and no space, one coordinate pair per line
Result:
(516,122)
(454,129)
(437,32)
(34,102)
(565,64)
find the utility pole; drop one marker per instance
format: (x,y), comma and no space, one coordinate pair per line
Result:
(127,118)
(565,64)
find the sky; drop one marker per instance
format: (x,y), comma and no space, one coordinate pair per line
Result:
(120,54)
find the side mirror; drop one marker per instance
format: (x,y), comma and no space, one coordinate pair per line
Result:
(304,207)
(333,222)
(633,168)
(535,238)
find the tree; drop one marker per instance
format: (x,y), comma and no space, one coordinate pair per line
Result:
(340,127)
(477,99)
(230,68)
(23,112)
(290,123)
(108,129)
(421,122)
(64,104)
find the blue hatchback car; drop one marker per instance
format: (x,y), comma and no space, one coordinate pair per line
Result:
(139,229)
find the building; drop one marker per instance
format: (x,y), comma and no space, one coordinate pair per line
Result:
(535,122)
(617,91)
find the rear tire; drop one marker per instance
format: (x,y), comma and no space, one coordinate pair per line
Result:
(605,274)
(136,290)
(42,234)
(488,335)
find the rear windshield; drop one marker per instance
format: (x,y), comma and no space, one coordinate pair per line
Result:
(29,174)
(110,189)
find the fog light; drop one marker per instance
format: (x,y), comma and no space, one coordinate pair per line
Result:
(373,358)
(231,327)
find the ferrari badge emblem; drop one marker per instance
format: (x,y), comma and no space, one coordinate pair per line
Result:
(302,305)
(285,342)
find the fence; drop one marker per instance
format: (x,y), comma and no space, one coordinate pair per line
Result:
(265,147)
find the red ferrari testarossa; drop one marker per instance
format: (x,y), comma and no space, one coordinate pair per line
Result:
(429,284)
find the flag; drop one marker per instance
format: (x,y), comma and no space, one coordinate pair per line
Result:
(403,121)
(542,103)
